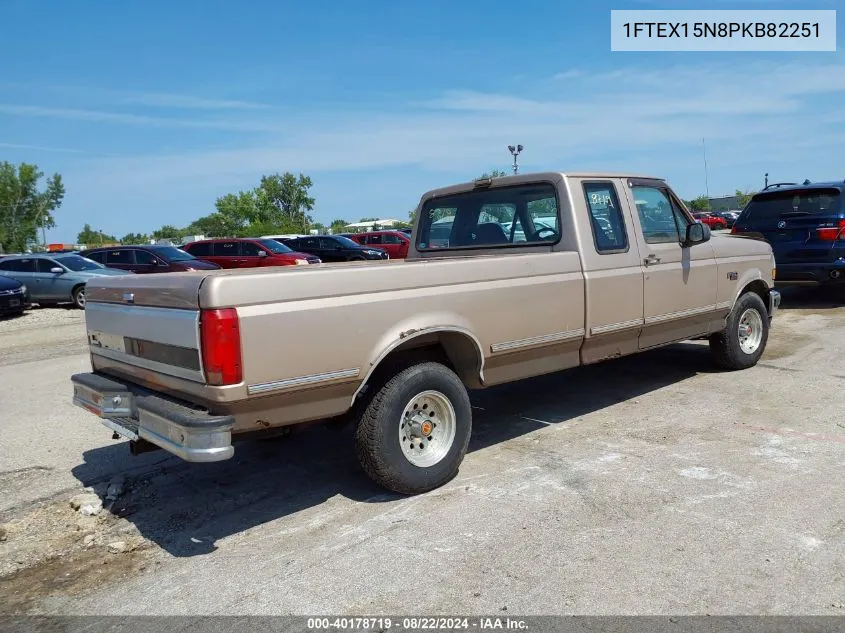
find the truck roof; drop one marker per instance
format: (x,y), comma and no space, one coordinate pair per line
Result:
(533,177)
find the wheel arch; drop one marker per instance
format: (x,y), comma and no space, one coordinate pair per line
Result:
(456,345)
(758,287)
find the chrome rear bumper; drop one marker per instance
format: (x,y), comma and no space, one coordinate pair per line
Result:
(135,413)
(774,303)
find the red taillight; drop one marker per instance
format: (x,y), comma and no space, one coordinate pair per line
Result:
(831,233)
(733,230)
(220,338)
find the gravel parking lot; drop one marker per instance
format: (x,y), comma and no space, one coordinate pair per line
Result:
(648,485)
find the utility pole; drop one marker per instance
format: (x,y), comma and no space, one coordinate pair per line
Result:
(706,178)
(515,152)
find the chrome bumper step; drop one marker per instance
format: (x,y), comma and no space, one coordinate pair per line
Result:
(138,414)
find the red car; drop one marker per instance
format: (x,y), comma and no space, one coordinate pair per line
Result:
(247,253)
(713,221)
(394,242)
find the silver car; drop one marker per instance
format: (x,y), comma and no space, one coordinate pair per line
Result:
(55,278)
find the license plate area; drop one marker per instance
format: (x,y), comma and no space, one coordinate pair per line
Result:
(14,303)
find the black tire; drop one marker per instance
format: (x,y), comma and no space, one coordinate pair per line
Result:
(725,345)
(78,296)
(377,439)
(721,227)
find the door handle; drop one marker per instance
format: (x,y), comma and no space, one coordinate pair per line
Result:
(651,259)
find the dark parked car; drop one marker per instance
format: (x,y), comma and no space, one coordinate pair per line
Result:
(248,253)
(728,216)
(147,259)
(335,248)
(14,296)
(805,224)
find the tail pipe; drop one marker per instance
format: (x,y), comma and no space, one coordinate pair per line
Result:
(835,273)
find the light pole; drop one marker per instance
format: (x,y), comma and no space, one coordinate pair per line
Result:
(767,180)
(515,152)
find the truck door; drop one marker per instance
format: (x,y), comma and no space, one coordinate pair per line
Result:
(679,283)
(612,271)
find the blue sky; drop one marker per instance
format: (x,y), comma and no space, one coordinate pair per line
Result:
(151,110)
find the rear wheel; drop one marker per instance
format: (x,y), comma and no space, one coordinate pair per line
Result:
(743,341)
(414,433)
(78,297)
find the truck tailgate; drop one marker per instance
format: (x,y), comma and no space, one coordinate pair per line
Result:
(147,321)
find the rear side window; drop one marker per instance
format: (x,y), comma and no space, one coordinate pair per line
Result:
(18,265)
(609,234)
(200,249)
(226,249)
(99,257)
(119,257)
(519,215)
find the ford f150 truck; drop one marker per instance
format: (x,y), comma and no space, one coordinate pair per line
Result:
(506,278)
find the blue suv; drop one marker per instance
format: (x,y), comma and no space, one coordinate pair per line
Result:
(805,225)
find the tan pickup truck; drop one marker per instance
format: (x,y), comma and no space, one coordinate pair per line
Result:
(506,278)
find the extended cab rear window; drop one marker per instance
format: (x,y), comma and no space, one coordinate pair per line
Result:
(519,215)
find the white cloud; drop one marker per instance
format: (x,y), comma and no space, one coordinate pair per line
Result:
(168,100)
(123,118)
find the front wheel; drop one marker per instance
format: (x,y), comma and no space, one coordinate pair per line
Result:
(414,433)
(78,297)
(743,341)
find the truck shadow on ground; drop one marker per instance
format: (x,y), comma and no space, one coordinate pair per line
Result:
(186,508)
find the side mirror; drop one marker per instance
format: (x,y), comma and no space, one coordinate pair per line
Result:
(697,233)
(262,253)
(57,270)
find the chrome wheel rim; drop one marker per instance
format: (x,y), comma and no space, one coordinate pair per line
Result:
(750,331)
(427,428)
(80,298)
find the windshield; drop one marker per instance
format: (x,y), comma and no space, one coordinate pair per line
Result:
(346,242)
(77,263)
(173,254)
(275,247)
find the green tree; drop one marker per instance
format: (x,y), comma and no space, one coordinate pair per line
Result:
(135,238)
(284,200)
(23,207)
(168,231)
(743,198)
(338,226)
(701,203)
(91,237)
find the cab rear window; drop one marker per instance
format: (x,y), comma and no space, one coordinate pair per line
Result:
(519,215)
